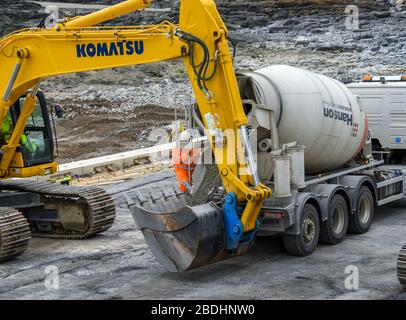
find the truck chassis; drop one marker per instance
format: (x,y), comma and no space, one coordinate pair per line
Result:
(329,205)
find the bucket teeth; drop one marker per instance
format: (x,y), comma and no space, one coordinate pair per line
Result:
(180,237)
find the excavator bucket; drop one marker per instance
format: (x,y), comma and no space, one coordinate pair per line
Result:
(181,237)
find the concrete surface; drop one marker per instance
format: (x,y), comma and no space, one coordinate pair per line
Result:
(119,265)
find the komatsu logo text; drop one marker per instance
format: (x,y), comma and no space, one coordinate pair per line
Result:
(103,49)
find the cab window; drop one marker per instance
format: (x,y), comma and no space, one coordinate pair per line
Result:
(36,141)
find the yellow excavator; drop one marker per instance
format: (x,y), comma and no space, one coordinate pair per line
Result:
(80,44)
(401,266)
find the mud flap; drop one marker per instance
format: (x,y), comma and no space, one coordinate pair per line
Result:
(180,237)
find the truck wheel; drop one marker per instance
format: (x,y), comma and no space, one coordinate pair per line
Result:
(304,243)
(361,220)
(401,266)
(334,229)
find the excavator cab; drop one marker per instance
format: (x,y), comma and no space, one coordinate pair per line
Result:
(36,150)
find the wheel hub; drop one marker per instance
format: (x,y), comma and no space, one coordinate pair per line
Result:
(364,210)
(309,230)
(338,219)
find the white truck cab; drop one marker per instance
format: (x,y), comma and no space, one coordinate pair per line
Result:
(383,99)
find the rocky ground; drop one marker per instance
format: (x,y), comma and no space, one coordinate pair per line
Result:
(316,35)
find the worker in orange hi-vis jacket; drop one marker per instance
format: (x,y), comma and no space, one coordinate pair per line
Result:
(185,157)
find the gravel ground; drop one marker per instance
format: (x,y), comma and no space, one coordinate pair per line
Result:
(119,265)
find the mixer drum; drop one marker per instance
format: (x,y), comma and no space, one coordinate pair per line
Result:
(316,111)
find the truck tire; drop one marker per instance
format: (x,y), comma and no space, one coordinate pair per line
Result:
(305,243)
(361,220)
(334,229)
(401,266)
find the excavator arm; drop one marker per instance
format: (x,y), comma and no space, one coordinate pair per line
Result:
(29,56)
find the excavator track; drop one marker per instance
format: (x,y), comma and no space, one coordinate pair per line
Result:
(94,207)
(401,266)
(14,233)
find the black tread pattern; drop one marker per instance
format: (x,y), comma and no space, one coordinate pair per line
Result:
(401,266)
(294,243)
(15,233)
(326,232)
(166,197)
(354,225)
(100,213)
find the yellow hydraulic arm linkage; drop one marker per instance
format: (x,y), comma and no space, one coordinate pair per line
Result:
(201,39)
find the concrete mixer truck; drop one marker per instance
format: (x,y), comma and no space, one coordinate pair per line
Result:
(313,149)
